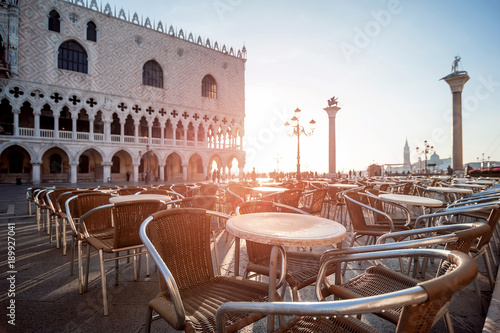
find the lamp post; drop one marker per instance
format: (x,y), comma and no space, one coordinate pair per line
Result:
(148,155)
(427,149)
(296,129)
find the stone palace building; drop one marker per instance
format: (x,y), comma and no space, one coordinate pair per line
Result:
(89,93)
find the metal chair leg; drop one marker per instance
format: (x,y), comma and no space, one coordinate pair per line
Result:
(103,283)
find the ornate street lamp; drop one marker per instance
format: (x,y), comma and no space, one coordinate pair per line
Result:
(148,155)
(296,129)
(427,150)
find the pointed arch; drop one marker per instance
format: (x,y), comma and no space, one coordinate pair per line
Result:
(54,21)
(209,87)
(152,74)
(73,57)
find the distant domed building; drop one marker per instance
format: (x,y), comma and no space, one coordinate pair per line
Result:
(435,164)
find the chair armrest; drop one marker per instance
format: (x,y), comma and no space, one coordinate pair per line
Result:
(370,304)
(165,272)
(456,211)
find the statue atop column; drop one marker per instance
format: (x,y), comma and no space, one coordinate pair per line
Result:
(332,101)
(454,65)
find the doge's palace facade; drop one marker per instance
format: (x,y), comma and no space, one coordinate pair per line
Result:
(89,93)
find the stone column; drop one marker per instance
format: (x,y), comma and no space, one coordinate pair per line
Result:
(457,80)
(184,172)
(161,168)
(73,174)
(35,171)
(136,171)
(332,157)
(91,129)
(73,124)
(56,127)
(106,171)
(16,113)
(36,115)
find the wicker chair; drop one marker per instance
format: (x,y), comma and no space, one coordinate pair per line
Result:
(421,304)
(302,267)
(76,206)
(381,279)
(30,196)
(63,218)
(313,201)
(52,216)
(209,189)
(233,196)
(190,291)
(201,201)
(127,218)
(130,190)
(360,226)
(42,208)
(181,189)
(400,215)
(290,197)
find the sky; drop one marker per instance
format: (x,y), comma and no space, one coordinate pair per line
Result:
(382,59)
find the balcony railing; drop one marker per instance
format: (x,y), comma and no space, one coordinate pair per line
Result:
(85,136)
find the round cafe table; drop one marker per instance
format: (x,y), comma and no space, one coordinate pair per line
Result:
(269,189)
(283,229)
(133,197)
(343,186)
(412,200)
(456,190)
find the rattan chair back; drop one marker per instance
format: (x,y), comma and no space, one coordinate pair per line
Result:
(290,197)
(201,201)
(314,201)
(98,222)
(421,303)
(190,292)
(129,190)
(209,189)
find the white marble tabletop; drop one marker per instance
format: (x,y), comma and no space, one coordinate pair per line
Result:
(338,185)
(411,200)
(457,190)
(286,229)
(269,189)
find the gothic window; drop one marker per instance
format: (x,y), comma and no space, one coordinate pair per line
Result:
(54,21)
(91,31)
(26,118)
(55,163)
(143,127)
(152,74)
(156,130)
(65,121)
(209,87)
(115,167)
(98,123)
(83,164)
(115,125)
(6,118)
(46,118)
(82,123)
(129,126)
(72,56)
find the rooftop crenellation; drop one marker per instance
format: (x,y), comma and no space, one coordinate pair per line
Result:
(160,27)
